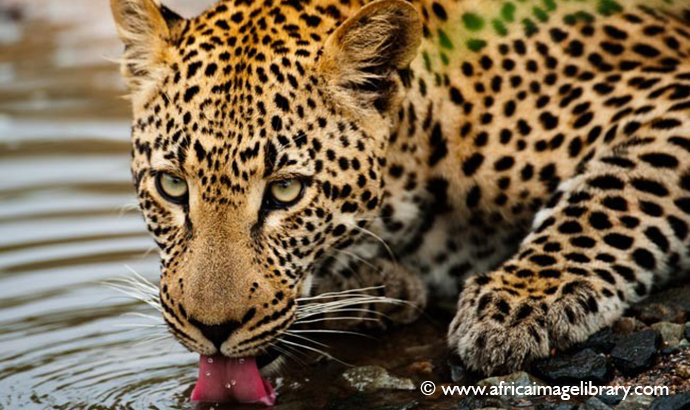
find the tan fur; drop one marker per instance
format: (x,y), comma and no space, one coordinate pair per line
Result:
(378,29)
(147,39)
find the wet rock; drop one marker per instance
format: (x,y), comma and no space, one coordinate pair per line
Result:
(687,331)
(583,365)
(676,402)
(556,406)
(515,379)
(405,406)
(683,371)
(423,368)
(612,399)
(650,313)
(458,373)
(668,351)
(677,294)
(602,341)
(363,402)
(371,378)
(636,352)
(633,402)
(594,404)
(480,402)
(627,325)
(671,333)
(685,343)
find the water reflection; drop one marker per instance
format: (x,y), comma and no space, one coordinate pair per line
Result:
(68,222)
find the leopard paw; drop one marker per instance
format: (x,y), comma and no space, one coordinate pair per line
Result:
(499,331)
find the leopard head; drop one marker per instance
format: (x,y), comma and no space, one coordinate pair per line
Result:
(259,137)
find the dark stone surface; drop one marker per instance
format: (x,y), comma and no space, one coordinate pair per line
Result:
(650,313)
(675,294)
(459,373)
(480,402)
(583,365)
(687,331)
(594,404)
(555,406)
(666,351)
(611,399)
(602,341)
(635,353)
(679,401)
(362,402)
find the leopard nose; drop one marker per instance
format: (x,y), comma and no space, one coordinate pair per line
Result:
(217,334)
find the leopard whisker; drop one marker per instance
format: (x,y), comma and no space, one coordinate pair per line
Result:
(289,353)
(135,295)
(359,258)
(368,319)
(132,206)
(136,287)
(329,306)
(139,325)
(144,316)
(154,340)
(367,311)
(343,293)
(347,332)
(288,332)
(378,238)
(313,349)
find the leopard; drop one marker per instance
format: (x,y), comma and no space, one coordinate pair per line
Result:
(527,161)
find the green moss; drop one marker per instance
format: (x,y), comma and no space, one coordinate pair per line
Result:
(444,40)
(540,14)
(569,19)
(585,16)
(427,60)
(550,5)
(499,27)
(508,12)
(529,26)
(473,22)
(476,44)
(609,7)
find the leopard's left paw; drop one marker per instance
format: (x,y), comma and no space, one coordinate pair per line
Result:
(499,332)
(499,339)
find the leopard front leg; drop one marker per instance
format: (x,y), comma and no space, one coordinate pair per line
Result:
(397,294)
(607,237)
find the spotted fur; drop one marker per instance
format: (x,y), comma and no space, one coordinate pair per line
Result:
(531,156)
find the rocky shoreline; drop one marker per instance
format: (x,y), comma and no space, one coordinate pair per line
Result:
(650,346)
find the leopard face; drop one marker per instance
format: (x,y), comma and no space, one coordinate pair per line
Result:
(258,145)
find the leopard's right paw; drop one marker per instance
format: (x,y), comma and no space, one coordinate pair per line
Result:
(388,293)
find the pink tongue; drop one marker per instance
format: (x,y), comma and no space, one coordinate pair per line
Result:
(227,380)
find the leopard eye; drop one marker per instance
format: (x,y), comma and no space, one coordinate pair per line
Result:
(285,193)
(172,188)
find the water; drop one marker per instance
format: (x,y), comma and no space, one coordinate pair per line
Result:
(69,223)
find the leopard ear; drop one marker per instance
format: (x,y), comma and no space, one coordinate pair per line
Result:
(148,31)
(361,58)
